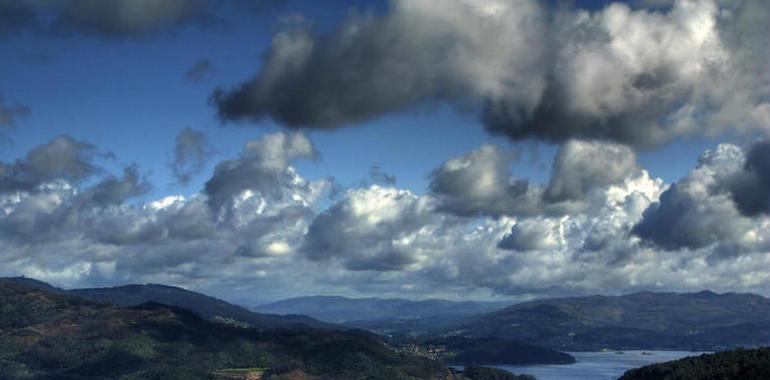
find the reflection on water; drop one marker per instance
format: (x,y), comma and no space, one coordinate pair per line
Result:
(597,365)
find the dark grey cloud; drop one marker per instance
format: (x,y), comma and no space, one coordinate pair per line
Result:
(16,16)
(91,211)
(200,70)
(119,18)
(116,18)
(638,77)
(115,191)
(191,152)
(695,212)
(262,167)
(187,221)
(62,158)
(676,222)
(720,202)
(10,113)
(181,221)
(51,199)
(580,166)
(415,54)
(480,183)
(750,187)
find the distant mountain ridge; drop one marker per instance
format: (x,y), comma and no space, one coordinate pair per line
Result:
(702,321)
(190,304)
(647,320)
(337,309)
(207,307)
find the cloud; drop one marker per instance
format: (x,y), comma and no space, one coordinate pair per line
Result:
(62,158)
(80,225)
(750,187)
(10,113)
(200,70)
(118,18)
(15,16)
(273,233)
(393,239)
(532,235)
(480,183)
(581,166)
(116,191)
(432,48)
(722,202)
(54,192)
(670,3)
(130,17)
(371,229)
(694,212)
(276,236)
(263,167)
(191,152)
(637,77)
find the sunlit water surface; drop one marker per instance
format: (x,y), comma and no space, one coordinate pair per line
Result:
(597,365)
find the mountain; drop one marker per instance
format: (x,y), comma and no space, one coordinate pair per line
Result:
(400,329)
(32,283)
(687,321)
(336,309)
(413,325)
(737,364)
(207,307)
(53,335)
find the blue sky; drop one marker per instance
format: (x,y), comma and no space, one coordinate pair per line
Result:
(130,97)
(620,115)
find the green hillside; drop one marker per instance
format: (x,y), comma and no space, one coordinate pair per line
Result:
(49,335)
(206,307)
(737,364)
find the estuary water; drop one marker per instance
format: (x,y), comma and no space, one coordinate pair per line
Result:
(597,365)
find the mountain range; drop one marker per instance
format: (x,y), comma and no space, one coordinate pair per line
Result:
(686,321)
(144,329)
(703,321)
(399,319)
(700,321)
(335,309)
(206,307)
(645,320)
(46,333)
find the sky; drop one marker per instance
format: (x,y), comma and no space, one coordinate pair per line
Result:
(461,149)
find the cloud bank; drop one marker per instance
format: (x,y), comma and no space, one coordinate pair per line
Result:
(259,224)
(635,76)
